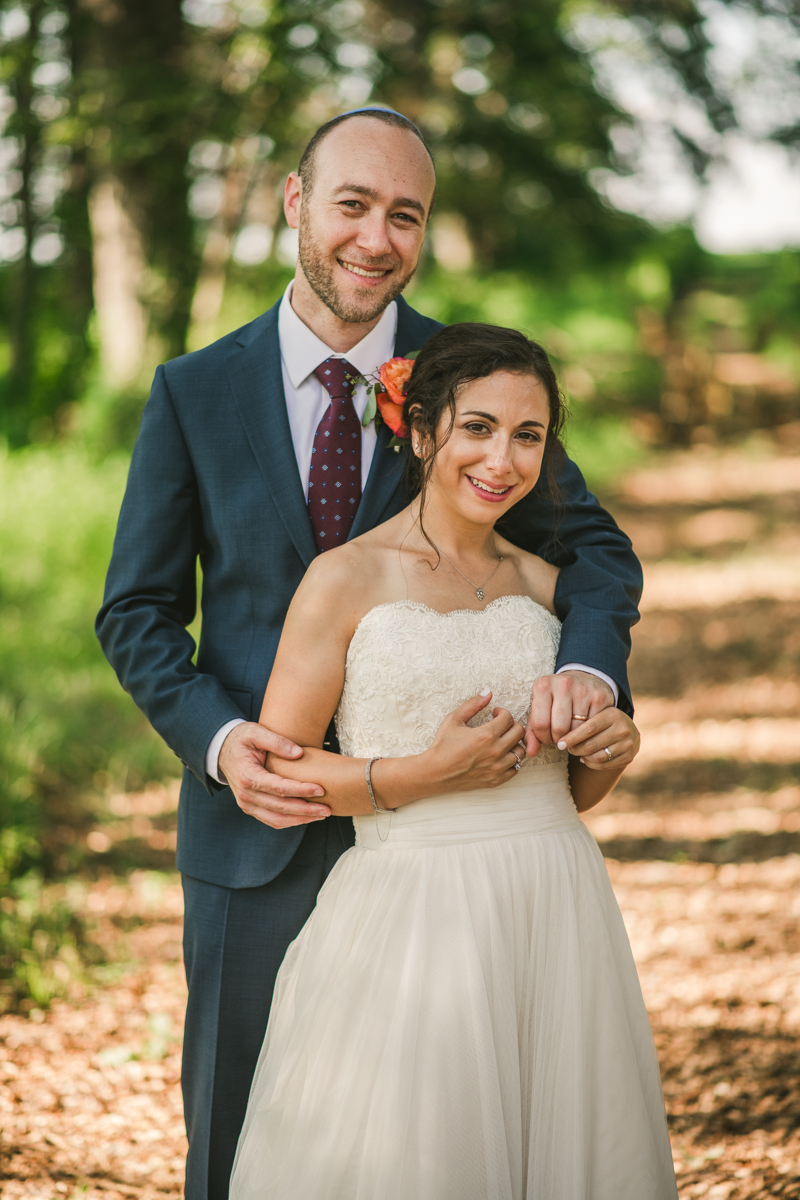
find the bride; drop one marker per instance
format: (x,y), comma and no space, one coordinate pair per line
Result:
(460,1018)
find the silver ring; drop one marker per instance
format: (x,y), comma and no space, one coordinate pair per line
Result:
(607,753)
(518,763)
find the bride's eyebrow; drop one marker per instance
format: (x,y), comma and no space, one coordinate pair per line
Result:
(473,412)
(494,420)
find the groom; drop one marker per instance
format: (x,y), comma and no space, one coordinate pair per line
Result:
(221,472)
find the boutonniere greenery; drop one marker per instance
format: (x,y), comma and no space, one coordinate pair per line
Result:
(386,396)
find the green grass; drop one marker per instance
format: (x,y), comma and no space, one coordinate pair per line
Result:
(68,733)
(67,730)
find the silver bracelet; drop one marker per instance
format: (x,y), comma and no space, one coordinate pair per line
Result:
(368,777)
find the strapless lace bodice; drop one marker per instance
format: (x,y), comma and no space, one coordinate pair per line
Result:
(408,666)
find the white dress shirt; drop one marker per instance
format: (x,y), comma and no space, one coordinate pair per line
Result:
(306,402)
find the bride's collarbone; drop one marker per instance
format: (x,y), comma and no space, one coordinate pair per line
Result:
(453,592)
(386,577)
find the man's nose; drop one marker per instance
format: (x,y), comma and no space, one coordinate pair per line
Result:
(373,236)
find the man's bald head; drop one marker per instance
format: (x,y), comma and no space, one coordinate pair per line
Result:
(386,115)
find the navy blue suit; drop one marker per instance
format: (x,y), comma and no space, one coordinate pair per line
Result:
(214,476)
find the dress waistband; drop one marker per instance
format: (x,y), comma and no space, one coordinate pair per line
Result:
(536,800)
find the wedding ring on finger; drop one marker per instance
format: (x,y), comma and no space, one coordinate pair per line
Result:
(578,717)
(518,763)
(607,753)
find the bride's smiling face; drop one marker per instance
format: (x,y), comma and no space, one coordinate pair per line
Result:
(493,457)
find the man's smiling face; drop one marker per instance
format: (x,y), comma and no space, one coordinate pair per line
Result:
(363,223)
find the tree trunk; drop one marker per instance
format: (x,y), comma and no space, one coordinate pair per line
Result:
(119,269)
(135,60)
(241,176)
(23,332)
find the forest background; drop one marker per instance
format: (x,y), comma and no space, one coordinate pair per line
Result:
(144,148)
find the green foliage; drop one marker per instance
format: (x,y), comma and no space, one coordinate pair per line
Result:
(588,327)
(602,444)
(64,717)
(44,943)
(67,731)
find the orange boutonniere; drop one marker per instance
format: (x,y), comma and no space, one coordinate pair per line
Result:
(386,397)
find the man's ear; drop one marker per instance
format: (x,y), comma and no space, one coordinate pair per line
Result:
(292,199)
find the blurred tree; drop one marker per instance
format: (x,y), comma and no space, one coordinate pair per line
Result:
(28,131)
(147,140)
(136,115)
(36,307)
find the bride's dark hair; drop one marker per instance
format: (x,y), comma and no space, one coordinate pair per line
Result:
(459,354)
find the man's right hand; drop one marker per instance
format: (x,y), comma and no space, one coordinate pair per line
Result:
(462,758)
(277,802)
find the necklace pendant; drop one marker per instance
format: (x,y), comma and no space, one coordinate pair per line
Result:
(479,593)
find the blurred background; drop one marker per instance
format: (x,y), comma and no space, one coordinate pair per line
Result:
(617,177)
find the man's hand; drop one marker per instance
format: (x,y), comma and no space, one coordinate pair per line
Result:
(556,701)
(277,802)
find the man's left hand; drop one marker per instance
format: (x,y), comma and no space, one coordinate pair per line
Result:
(556,701)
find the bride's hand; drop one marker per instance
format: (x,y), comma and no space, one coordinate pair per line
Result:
(462,758)
(608,741)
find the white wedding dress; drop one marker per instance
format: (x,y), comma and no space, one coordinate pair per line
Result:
(460,1018)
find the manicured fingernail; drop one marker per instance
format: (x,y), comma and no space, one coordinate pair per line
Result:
(561,745)
(485,692)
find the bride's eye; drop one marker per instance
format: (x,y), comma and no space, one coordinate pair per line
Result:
(529,437)
(477,427)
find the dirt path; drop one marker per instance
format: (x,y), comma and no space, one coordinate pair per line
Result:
(90,1102)
(703,843)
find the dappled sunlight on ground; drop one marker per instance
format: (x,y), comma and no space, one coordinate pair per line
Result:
(90,1100)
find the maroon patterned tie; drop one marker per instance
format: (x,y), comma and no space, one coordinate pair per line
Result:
(334,481)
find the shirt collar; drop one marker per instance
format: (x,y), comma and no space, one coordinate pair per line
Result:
(302,351)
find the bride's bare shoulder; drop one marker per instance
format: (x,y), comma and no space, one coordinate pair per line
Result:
(536,575)
(340,582)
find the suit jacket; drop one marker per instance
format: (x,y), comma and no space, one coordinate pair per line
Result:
(214,476)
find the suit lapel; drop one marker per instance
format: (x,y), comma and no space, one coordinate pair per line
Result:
(385,474)
(386,471)
(256,380)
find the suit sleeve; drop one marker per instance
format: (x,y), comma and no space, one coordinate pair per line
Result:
(151,592)
(600,583)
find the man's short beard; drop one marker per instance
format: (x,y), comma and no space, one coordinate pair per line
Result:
(318,270)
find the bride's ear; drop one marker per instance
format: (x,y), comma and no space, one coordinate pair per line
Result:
(416,434)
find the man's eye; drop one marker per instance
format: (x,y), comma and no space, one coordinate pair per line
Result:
(406,218)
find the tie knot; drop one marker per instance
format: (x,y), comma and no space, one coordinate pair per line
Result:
(338,377)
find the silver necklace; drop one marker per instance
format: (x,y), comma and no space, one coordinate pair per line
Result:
(479,592)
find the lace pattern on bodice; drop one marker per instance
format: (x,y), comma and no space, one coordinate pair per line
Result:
(408,666)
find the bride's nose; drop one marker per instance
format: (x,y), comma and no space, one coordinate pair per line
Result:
(499,455)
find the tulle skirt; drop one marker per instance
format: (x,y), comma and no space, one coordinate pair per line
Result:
(460,1019)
